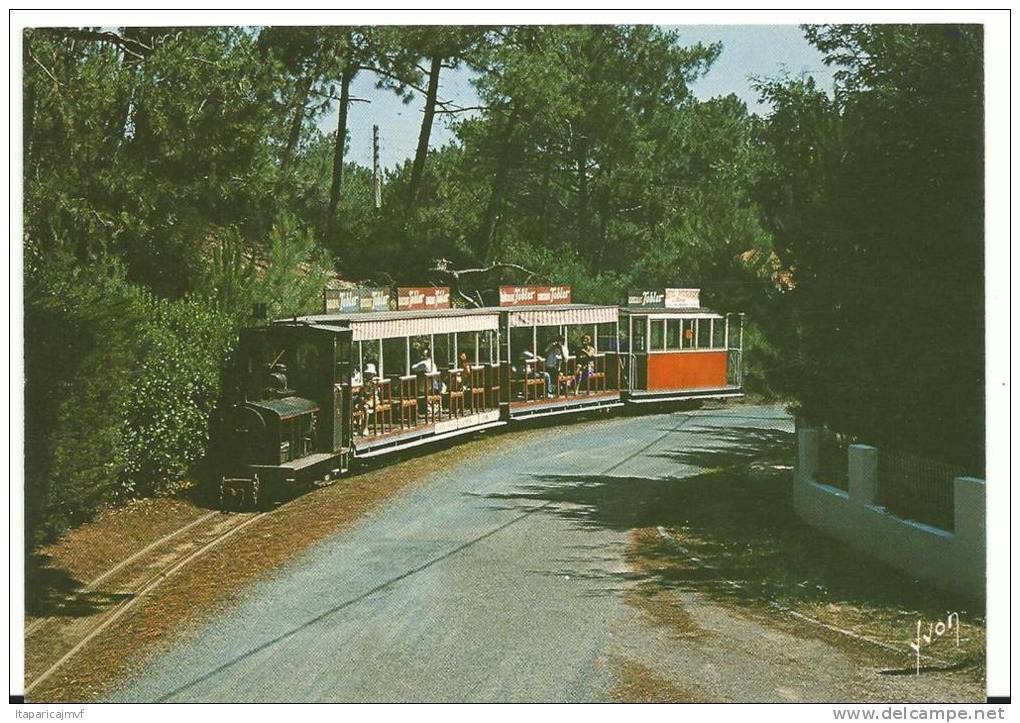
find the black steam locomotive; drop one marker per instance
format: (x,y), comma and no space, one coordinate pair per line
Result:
(289,424)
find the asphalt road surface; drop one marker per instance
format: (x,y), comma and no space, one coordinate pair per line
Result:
(482,584)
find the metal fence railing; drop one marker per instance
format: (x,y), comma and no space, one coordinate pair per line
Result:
(833,459)
(917,488)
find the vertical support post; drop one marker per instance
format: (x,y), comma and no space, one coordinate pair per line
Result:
(376,177)
(630,352)
(477,339)
(862,474)
(970,525)
(407,356)
(807,454)
(740,355)
(382,370)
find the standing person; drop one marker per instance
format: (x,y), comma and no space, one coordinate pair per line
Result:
(555,356)
(585,359)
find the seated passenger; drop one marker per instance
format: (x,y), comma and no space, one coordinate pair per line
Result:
(363,396)
(426,365)
(529,370)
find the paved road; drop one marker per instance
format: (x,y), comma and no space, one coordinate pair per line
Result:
(484,584)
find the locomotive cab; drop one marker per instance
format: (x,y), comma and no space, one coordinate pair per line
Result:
(289,423)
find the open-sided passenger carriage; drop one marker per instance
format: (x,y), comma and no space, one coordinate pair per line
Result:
(400,401)
(534,318)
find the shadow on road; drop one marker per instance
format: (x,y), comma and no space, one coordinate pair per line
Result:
(731,534)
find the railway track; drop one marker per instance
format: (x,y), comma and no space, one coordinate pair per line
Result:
(124,585)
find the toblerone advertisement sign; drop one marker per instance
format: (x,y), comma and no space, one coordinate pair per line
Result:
(666,298)
(411,298)
(534,295)
(362,298)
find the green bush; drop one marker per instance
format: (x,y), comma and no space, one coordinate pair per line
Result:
(121,384)
(119,389)
(182,346)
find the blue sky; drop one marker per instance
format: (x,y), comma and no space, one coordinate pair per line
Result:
(748,50)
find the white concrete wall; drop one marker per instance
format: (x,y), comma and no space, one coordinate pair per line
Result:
(951,560)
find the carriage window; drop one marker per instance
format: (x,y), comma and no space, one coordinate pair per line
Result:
(574,334)
(546,335)
(639,333)
(486,348)
(441,350)
(466,344)
(607,337)
(370,354)
(394,359)
(520,340)
(418,345)
(657,335)
(688,334)
(718,333)
(704,333)
(673,334)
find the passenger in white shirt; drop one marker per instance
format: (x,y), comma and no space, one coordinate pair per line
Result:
(426,365)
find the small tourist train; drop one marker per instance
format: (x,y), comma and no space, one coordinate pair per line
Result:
(374,374)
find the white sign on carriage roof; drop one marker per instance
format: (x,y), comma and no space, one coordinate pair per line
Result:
(683,298)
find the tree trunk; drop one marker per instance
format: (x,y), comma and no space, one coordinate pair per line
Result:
(581,159)
(418,169)
(340,144)
(543,213)
(295,126)
(29,126)
(499,186)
